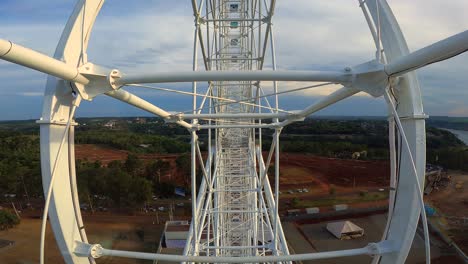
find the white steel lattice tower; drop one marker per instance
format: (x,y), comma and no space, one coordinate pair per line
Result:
(235,210)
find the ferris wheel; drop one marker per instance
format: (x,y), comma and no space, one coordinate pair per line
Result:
(235,210)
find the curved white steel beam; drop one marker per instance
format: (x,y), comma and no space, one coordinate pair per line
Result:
(57,104)
(406,211)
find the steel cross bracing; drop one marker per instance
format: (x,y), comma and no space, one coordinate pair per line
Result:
(234,214)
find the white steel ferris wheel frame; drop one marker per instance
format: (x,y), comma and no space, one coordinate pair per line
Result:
(391,75)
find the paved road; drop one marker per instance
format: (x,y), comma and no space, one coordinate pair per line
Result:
(296,241)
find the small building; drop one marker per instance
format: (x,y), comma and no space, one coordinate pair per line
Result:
(110,124)
(313,210)
(140,120)
(175,234)
(345,230)
(293,212)
(340,207)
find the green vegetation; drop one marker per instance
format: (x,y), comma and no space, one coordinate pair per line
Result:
(295,202)
(115,183)
(343,138)
(123,184)
(458,123)
(133,142)
(19,165)
(333,200)
(450,157)
(8,219)
(132,182)
(332,190)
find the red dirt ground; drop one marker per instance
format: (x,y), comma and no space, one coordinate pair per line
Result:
(105,155)
(451,204)
(298,170)
(340,172)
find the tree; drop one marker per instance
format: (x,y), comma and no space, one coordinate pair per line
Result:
(132,164)
(8,219)
(117,185)
(184,166)
(156,169)
(165,189)
(115,164)
(295,202)
(140,191)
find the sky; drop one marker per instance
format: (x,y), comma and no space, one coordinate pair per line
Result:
(152,35)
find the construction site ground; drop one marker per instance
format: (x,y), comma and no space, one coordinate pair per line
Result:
(314,237)
(349,178)
(451,205)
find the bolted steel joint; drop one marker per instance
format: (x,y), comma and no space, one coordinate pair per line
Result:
(369,77)
(96,251)
(173,118)
(101,80)
(380,248)
(88,250)
(114,76)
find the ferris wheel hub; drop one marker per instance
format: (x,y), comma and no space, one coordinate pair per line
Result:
(101,80)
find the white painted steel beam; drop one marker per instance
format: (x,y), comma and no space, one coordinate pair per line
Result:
(97,251)
(214,126)
(235,116)
(205,76)
(439,51)
(136,101)
(37,61)
(58,100)
(334,97)
(404,222)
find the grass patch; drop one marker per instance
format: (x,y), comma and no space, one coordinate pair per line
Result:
(329,201)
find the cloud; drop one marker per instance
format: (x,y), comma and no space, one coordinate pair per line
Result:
(460,110)
(31,94)
(152,36)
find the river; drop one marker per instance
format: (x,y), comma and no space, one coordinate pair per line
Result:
(461,134)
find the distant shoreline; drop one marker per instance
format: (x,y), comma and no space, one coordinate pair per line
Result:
(329,117)
(461,134)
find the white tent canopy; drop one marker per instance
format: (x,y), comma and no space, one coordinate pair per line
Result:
(345,229)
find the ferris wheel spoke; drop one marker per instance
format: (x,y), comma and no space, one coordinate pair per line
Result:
(136,101)
(333,98)
(439,51)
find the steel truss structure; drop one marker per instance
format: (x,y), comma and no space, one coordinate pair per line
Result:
(235,214)
(235,209)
